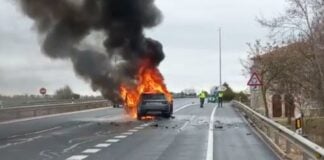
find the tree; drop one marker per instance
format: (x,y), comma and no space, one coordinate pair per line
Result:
(228,93)
(241,96)
(76,96)
(268,63)
(64,93)
(302,23)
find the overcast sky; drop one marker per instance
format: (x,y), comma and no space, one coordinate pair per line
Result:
(189,33)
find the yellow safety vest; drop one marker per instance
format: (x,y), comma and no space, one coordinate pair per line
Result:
(202,95)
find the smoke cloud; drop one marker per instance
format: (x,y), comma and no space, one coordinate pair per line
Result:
(63,26)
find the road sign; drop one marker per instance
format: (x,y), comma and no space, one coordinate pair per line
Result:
(222,88)
(42,91)
(254,80)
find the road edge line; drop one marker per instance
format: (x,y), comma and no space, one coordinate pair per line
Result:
(210,145)
(53,115)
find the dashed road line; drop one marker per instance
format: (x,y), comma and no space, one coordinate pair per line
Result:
(128,133)
(145,125)
(91,151)
(103,145)
(186,124)
(77,157)
(133,130)
(120,137)
(117,138)
(139,127)
(112,140)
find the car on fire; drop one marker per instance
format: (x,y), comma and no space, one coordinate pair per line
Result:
(154,104)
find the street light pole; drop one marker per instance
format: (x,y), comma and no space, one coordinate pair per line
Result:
(220,57)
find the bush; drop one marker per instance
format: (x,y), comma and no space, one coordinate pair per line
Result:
(64,93)
(229,94)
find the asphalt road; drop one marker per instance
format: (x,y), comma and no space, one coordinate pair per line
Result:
(107,134)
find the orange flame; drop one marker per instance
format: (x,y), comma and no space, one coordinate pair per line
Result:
(149,80)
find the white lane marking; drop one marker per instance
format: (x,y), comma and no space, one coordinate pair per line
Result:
(186,124)
(210,147)
(183,107)
(112,140)
(139,127)
(145,125)
(128,133)
(77,157)
(91,150)
(103,145)
(120,137)
(53,115)
(71,147)
(133,130)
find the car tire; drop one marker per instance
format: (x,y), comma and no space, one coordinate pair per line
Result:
(167,115)
(139,116)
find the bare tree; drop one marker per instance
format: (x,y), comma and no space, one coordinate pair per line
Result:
(264,60)
(302,24)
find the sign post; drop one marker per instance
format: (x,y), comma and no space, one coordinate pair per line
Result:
(222,88)
(299,123)
(254,83)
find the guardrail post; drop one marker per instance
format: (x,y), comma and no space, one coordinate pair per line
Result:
(268,132)
(276,138)
(305,156)
(288,147)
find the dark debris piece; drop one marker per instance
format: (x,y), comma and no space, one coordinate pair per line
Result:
(114,124)
(155,125)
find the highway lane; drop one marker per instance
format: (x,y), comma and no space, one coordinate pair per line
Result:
(52,137)
(37,124)
(183,138)
(109,135)
(234,139)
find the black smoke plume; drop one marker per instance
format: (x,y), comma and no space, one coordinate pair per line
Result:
(64,25)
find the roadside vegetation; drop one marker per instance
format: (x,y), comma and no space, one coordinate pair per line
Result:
(61,95)
(291,62)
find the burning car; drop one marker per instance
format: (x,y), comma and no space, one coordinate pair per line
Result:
(149,95)
(154,104)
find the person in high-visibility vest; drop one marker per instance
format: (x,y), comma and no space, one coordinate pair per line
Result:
(202,96)
(220,99)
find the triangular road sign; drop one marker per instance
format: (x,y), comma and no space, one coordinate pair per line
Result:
(254,80)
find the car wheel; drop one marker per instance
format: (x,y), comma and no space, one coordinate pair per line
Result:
(139,116)
(166,115)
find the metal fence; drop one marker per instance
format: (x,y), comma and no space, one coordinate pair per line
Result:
(288,143)
(13,113)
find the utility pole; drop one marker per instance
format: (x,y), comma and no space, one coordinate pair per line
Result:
(220,57)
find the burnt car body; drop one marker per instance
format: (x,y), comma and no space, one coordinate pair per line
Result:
(154,104)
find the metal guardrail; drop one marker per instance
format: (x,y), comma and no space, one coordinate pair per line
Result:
(290,144)
(13,113)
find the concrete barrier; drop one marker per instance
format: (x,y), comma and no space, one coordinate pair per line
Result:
(41,110)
